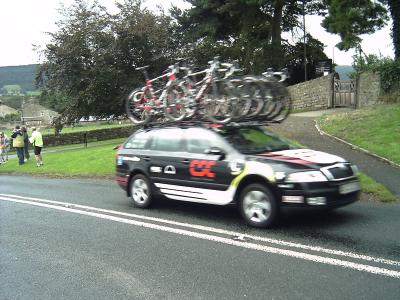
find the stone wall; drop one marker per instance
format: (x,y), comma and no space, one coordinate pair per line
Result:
(313,94)
(368,89)
(318,93)
(90,136)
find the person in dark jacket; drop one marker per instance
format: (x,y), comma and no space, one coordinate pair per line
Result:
(26,142)
(18,143)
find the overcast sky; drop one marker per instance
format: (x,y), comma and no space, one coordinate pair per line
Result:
(24,23)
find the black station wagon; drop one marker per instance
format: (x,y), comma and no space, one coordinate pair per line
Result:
(245,165)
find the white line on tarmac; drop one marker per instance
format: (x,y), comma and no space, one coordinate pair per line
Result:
(227,241)
(219,231)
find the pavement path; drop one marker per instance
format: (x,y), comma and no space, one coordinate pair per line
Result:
(301,127)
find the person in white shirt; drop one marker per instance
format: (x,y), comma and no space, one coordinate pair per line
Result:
(37,140)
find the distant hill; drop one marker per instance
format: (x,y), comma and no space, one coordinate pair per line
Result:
(24,76)
(344,71)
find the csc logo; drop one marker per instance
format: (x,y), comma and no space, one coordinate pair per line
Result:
(201,168)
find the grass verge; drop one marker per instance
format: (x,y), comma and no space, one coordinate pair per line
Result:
(95,161)
(376,129)
(370,186)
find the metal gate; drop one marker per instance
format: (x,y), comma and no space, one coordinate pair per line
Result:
(344,93)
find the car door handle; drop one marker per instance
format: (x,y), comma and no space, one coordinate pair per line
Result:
(147,158)
(185,161)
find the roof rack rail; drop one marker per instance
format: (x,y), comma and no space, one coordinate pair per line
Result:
(176,123)
(207,123)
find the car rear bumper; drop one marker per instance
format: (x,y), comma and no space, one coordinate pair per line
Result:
(122,182)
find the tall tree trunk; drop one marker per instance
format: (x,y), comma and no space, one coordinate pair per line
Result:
(394,6)
(276,32)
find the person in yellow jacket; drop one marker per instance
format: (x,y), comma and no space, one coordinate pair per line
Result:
(37,140)
(18,143)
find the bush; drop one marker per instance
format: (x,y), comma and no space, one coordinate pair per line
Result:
(388,69)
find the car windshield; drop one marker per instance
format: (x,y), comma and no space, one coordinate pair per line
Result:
(255,140)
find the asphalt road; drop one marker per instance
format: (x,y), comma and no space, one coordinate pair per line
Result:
(51,247)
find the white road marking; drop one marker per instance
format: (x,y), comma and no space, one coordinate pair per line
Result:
(222,231)
(74,208)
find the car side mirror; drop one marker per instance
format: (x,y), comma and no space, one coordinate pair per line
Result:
(216,151)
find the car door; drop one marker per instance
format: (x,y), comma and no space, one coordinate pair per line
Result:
(208,174)
(166,163)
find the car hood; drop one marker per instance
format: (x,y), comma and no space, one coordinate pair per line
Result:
(303,157)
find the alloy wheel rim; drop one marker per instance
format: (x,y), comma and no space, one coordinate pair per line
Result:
(140,191)
(257,206)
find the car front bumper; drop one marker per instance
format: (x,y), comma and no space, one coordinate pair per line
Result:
(327,194)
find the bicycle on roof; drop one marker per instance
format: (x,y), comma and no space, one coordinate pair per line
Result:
(219,97)
(143,104)
(211,96)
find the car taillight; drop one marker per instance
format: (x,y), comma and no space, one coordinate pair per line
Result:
(117,148)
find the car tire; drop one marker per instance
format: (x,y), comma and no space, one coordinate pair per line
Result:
(258,206)
(140,191)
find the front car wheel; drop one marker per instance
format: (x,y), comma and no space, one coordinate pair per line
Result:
(258,206)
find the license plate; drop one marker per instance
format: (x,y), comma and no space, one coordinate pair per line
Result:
(349,188)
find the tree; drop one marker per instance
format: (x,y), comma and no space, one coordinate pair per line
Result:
(294,56)
(91,59)
(394,7)
(248,30)
(350,19)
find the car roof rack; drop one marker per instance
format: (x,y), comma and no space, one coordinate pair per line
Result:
(191,123)
(207,123)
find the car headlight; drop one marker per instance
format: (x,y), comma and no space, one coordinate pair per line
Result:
(308,176)
(355,169)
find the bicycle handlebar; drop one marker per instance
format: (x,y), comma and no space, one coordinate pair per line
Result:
(270,73)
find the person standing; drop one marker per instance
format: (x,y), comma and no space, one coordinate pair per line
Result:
(18,143)
(37,140)
(26,143)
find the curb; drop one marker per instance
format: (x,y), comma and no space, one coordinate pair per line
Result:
(321,132)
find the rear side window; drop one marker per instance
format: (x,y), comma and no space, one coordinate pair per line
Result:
(169,140)
(138,141)
(199,140)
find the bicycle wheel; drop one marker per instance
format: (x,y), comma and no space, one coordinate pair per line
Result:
(283,103)
(270,102)
(219,104)
(137,107)
(254,93)
(191,106)
(175,103)
(243,104)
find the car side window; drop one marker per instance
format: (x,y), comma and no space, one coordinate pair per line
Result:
(138,141)
(167,140)
(199,140)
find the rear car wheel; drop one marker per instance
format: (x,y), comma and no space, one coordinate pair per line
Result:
(140,191)
(258,206)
